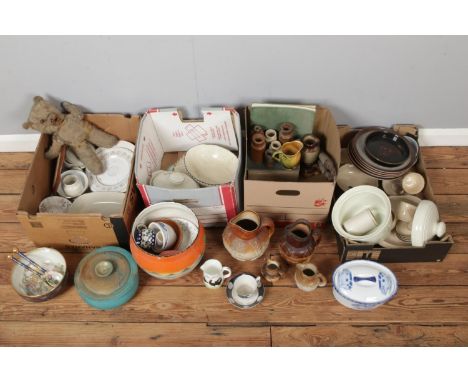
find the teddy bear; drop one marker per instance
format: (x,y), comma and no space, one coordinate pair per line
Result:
(70,129)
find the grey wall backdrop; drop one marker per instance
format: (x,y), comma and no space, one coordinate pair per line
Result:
(364,80)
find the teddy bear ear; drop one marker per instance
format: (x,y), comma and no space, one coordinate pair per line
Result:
(27,125)
(38,99)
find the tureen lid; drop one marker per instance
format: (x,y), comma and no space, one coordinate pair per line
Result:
(365,282)
(106,273)
(426,224)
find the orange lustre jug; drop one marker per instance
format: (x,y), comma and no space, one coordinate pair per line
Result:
(247,236)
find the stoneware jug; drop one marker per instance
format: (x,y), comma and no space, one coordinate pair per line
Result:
(308,278)
(274,268)
(298,242)
(247,236)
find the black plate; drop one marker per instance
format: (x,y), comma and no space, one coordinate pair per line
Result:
(387,148)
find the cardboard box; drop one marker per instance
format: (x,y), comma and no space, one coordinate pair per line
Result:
(434,250)
(165,136)
(76,231)
(310,199)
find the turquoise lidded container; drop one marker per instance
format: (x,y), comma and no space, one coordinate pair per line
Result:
(107,277)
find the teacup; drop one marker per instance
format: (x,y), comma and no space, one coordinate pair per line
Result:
(405,211)
(165,236)
(290,154)
(245,289)
(413,183)
(361,223)
(214,273)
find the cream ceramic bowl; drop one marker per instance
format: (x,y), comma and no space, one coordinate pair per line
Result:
(349,176)
(356,200)
(211,165)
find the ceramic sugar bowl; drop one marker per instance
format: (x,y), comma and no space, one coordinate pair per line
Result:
(299,242)
(247,236)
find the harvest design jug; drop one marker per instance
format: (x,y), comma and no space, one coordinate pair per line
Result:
(246,236)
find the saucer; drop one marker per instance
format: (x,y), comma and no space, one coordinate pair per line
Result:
(117,163)
(229,292)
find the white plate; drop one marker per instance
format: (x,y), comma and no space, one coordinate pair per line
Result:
(211,165)
(125,145)
(105,203)
(363,284)
(117,163)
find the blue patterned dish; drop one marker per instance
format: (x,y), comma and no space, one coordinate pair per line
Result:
(363,284)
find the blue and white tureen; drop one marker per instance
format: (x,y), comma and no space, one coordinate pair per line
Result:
(363,284)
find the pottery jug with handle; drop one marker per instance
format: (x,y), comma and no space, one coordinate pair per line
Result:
(247,235)
(299,241)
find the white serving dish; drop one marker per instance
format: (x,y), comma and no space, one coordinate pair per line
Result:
(354,201)
(363,284)
(426,224)
(105,203)
(211,165)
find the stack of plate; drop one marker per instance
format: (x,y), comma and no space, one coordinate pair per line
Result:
(383,154)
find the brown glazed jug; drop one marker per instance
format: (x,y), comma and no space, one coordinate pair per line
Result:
(247,236)
(299,242)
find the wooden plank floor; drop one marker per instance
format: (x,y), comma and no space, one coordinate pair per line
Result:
(430,309)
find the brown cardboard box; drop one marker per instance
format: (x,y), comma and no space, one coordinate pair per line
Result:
(285,202)
(76,231)
(435,250)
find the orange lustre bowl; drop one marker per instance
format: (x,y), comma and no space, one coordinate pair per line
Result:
(171,264)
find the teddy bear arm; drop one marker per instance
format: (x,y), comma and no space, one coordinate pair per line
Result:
(87,155)
(72,109)
(54,149)
(99,137)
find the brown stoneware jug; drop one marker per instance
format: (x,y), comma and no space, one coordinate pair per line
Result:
(247,236)
(299,242)
(308,278)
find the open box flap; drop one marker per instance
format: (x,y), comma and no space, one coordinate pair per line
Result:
(164,130)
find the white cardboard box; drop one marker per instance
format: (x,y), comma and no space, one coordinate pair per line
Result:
(163,138)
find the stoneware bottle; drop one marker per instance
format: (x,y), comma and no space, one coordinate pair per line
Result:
(298,242)
(286,132)
(311,149)
(247,236)
(308,278)
(257,147)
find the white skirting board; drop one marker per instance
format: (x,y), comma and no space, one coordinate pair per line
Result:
(427,137)
(18,143)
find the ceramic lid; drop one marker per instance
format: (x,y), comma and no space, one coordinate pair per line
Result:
(106,273)
(365,282)
(426,224)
